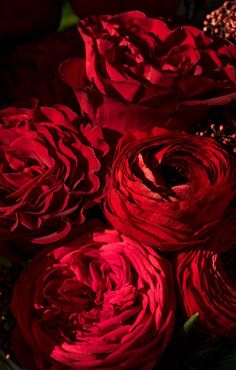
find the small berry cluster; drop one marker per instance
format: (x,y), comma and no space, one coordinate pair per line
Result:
(222,21)
(222,133)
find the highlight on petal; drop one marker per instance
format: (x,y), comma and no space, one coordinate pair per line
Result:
(165,190)
(141,72)
(206,279)
(52,169)
(97,302)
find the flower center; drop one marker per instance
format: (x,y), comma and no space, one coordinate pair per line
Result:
(173,175)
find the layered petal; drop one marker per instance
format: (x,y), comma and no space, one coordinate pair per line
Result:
(139,73)
(51,171)
(101,302)
(168,187)
(206,280)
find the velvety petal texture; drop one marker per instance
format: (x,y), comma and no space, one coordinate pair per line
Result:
(50,172)
(101,302)
(139,73)
(206,279)
(168,187)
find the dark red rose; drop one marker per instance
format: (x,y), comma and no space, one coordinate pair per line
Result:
(101,302)
(168,188)
(31,70)
(207,280)
(139,73)
(51,171)
(26,18)
(151,7)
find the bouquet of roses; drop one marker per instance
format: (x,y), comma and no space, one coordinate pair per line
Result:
(118,185)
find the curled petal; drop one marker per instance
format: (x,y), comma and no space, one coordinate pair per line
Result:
(52,168)
(206,280)
(140,73)
(100,302)
(165,190)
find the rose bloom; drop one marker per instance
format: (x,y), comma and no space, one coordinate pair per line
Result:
(139,73)
(51,171)
(168,188)
(151,7)
(27,18)
(207,280)
(101,302)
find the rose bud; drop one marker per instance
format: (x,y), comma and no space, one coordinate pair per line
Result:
(139,73)
(206,279)
(101,302)
(168,188)
(152,7)
(51,172)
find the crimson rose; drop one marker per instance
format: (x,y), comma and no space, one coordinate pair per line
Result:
(139,73)
(50,171)
(207,280)
(150,7)
(101,302)
(168,188)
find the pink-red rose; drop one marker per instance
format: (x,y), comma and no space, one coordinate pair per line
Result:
(151,7)
(168,188)
(51,171)
(207,280)
(26,18)
(139,73)
(101,302)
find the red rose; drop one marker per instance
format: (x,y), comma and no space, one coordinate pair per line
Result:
(168,188)
(206,280)
(31,70)
(101,302)
(51,172)
(151,7)
(26,18)
(139,73)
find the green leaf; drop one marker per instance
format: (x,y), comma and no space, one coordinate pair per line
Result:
(5,262)
(7,364)
(191,323)
(10,322)
(227,362)
(4,366)
(213,353)
(69,18)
